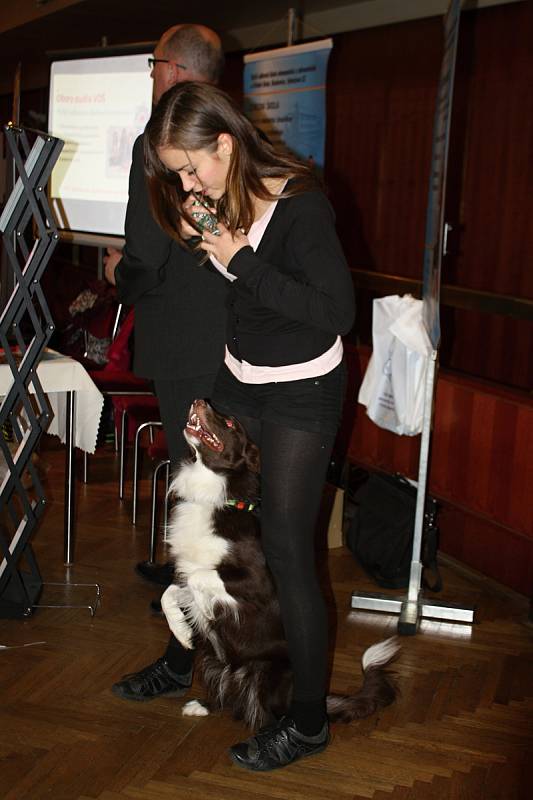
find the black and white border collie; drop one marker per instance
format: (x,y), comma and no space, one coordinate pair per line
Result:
(223,602)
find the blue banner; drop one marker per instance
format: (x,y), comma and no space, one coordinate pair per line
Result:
(285,96)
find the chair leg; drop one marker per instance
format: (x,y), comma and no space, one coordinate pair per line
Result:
(115,430)
(153,523)
(136,466)
(122,459)
(85,465)
(167,486)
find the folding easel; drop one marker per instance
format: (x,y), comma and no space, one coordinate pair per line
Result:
(29,239)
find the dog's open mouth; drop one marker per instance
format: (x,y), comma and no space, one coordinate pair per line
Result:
(197,428)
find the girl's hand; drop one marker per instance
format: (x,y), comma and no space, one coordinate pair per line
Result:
(223,245)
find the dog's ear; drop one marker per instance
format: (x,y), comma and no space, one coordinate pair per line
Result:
(251,455)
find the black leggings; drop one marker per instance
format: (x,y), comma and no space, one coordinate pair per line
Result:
(293,471)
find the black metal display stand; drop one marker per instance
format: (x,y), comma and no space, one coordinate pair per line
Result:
(29,238)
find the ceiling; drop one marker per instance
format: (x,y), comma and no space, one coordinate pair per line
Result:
(39,28)
(32,30)
(88,23)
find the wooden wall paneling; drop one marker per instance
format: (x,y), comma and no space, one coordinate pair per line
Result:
(498,144)
(404,180)
(520,478)
(516,367)
(482,189)
(459,452)
(497,243)
(516,233)
(482,451)
(440,476)
(496,348)
(381,94)
(478,477)
(355,106)
(490,346)
(352,181)
(499,449)
(495,551)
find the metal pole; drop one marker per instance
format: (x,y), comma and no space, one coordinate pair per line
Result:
(100,267)
(70,477)
(291,29)
(7,280)
(409,613)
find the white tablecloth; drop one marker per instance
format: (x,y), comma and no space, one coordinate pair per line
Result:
(59,374)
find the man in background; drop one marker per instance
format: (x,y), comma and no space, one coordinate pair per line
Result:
(179,317)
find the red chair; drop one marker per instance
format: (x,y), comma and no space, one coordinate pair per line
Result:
(158,451)
(137,414)
(131,396)
(84,310)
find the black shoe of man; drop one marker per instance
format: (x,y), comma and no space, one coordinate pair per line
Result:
(162,574)
(155,680)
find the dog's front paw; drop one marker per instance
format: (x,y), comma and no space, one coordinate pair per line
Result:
(175,617)
(194,708)
(183,633)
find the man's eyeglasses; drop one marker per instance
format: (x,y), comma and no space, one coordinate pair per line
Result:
(152,61)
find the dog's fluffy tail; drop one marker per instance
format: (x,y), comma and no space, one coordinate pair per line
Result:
(378,689)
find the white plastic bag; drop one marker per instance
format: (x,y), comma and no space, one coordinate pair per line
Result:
(394,383)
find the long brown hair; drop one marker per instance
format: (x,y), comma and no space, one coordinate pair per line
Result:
(190,117)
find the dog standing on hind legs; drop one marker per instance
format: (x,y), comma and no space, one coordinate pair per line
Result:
(223,602)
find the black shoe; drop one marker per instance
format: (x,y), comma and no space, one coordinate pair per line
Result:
(277,746)
(155,680)
(163,574)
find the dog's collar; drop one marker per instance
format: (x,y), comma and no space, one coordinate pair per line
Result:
(240,505)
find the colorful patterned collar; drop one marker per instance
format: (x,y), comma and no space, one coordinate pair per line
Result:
(240,505)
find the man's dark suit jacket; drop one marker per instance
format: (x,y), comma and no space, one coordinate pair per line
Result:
(180,305)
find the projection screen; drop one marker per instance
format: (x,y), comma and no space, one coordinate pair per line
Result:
(98,106)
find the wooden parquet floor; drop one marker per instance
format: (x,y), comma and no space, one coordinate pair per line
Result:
(462,728)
